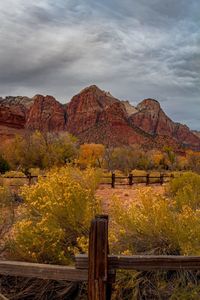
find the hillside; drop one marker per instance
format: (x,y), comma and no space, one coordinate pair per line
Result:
(96,116)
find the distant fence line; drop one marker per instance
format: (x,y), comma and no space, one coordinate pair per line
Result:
(113,180)
(135,179)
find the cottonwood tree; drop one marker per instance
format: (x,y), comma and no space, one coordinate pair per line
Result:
(91,155)
(42,150)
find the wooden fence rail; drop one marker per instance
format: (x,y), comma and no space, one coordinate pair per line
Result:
(133,179)
(98,268)
(113,179)
(42,271)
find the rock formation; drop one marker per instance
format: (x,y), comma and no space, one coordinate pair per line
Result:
(46,114)
(96,116)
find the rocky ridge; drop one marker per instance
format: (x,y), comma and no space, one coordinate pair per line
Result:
(96,116)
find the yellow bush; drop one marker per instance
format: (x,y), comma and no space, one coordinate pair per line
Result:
(56,215)
(154,225)
(6,211)
(185,190)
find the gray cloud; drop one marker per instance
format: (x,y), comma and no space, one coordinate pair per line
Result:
(134,49)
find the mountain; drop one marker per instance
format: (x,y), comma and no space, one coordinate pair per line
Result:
(197,133)
(96,116)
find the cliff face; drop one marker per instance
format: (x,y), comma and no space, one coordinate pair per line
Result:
(96,116)
(84,109)
(197,133)
(151,118)
(13,111)
(45,114)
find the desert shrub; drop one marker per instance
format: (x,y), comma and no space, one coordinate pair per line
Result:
(156,285)
(14,179)
(6,213)
(56,216)
(155,224)
(146,226)
(185,190)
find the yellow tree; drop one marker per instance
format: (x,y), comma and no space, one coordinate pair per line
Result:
(193,158)
(157,158)
(42,150)
(91,155)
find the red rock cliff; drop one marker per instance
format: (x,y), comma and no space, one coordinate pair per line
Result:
(96,116)
(46,114)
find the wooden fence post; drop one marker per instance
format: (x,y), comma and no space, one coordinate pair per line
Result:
(147,179)
(29,179)
(113,180)
(98,286)
(161,179)
(130,179)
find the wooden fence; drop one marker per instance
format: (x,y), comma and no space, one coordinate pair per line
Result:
(135,179)
(98,268)
(113,180)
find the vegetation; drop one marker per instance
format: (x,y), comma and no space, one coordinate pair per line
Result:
(6,214)
(159,225)
(56,215)
(53,221)
(42,150)
(91,155)
(4,166)
(45,150)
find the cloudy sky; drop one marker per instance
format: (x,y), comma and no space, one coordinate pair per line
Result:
(133,48)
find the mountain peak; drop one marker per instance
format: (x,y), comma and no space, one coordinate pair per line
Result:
(149,104)
(94,115)
(96,90)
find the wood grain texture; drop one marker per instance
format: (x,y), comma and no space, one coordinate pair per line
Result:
(146,262)
(43,271)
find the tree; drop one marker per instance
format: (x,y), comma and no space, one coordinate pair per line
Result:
(127,158)
(193,160)
(157,158)
(91,155)
(42,150)
(170,157)
(4,166)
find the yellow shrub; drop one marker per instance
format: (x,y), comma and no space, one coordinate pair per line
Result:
(56,215)
(6,211)
(185,190)
(154,225)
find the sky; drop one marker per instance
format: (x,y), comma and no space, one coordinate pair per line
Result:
(134,49)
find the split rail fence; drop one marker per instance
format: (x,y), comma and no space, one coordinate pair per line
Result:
(98,268)
(113,180)
(135,179)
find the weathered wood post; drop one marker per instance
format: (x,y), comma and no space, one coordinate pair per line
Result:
(147,179)
(130,179)
(161,179)
(113,180)
(29,178)
(98,285)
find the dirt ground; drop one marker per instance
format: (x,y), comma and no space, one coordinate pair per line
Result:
(127,194)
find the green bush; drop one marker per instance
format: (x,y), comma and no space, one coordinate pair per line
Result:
(4,166)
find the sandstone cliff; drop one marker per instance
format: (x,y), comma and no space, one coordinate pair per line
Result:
(96,116)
